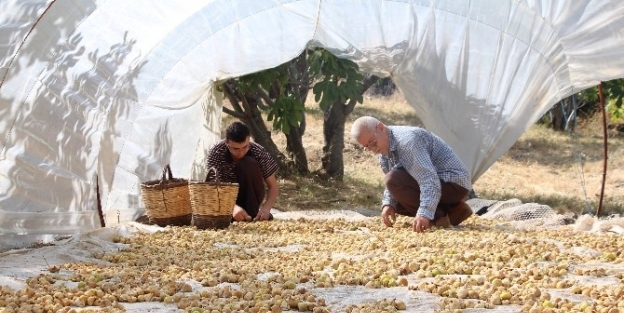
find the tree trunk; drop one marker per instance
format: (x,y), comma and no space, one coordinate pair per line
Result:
(261,134)
(557,120)
(563,115)
(299,86)
(334,119)
(297,150)
(245,108)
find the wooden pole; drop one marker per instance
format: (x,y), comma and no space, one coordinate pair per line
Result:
(605,158)
(99,201)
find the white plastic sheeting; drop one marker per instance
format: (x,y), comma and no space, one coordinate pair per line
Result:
(110,91)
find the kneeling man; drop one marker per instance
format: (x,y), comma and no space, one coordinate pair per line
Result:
(238,160)
(424,177)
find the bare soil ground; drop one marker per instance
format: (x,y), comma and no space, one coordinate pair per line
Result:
(561,169)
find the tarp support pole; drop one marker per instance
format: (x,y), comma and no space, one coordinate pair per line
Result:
(604,135)
(99,201)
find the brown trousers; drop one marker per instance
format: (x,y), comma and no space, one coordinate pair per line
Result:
(405,189)
(251,189)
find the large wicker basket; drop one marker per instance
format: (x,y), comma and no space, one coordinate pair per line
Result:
(212,202)
(167,200)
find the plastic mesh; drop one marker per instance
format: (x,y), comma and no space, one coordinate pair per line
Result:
(520,215)
(514,213)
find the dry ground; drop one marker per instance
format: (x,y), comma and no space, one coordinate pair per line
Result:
(350,265)
(542,167)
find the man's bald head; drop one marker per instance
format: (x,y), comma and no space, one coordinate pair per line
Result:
(363,125)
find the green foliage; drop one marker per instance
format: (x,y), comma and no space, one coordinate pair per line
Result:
(339,79)
(275,77)
(616,111)
(613,92)
(286,111)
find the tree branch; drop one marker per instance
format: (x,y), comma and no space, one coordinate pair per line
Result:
(367,83)
(230,93)
(264,96)
(243,99)
(233,113)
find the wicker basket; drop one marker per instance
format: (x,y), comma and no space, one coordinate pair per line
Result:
(167,200)
(212,202)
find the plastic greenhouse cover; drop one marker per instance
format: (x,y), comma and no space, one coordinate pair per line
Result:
(110,91)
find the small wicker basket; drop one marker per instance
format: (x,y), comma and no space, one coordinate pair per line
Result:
(167,200)
(212,202)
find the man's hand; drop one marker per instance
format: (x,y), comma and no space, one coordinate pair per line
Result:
(421,223)
(388,215)
(263,214)
(239,214)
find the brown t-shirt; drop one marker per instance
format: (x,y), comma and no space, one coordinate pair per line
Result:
(220,158)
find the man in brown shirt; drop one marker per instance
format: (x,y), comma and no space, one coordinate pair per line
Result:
(238,160)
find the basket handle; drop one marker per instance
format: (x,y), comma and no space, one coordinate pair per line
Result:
(214,169)
(166,170)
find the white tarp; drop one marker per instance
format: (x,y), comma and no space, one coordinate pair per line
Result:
(107,92)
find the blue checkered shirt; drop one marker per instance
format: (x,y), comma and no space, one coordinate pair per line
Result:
(426,158)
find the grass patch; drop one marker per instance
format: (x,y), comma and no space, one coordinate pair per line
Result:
(558,169)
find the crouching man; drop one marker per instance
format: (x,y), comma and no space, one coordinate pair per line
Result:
(238,160)
(424,177)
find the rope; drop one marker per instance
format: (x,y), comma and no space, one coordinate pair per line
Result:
(576,152)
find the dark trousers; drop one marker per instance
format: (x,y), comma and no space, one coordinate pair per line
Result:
(405,189)
(251,189)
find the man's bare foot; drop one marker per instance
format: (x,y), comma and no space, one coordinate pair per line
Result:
(442,221)
(459,213)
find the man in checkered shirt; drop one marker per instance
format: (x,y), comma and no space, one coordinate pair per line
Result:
(424,177)
(238,160)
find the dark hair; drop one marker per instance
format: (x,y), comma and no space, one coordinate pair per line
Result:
(237,132)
